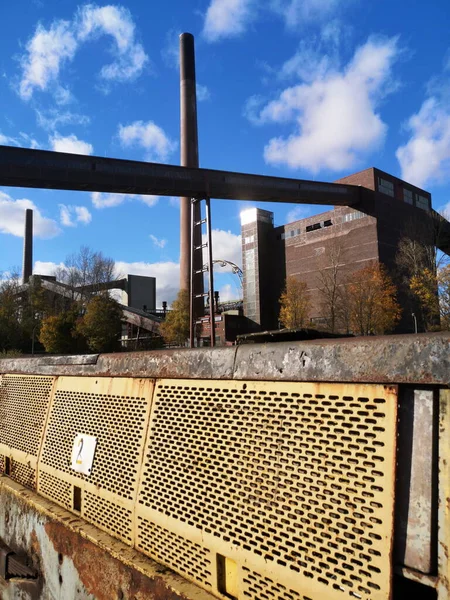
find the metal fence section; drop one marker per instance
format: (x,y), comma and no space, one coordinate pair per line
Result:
(24,402)
(293,481)
(115,412)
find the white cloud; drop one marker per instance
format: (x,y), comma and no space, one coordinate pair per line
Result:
(228,293)
(227,18)
(148,136)
(71,215)
(117,22)
(49,49)
(425,158)
(47,268)
(70,144)
(203,93)
(104,200)
(335,115)
(167,276)
(157,242)
(225,246)
(46,52)
(12,218)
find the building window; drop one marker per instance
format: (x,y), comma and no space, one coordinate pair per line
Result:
(422,202)
(407,196)
(249,240)
(327,223)
(385,187)
(353,216)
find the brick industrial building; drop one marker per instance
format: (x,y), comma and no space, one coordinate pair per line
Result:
(357,236)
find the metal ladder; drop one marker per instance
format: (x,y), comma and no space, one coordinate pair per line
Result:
(196,235)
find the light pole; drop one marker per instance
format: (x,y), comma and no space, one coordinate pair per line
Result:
(415,322)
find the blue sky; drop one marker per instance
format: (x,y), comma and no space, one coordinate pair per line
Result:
(313,89)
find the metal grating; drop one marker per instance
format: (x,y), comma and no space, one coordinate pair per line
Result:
(115,411)
(24,403)
(264,588)
(23,474)
(192,560)
(56,489)
(294,480)
(103,512)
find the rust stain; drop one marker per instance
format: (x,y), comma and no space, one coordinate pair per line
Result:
(104,576)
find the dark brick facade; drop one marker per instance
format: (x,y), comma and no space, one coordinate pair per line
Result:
(358,235)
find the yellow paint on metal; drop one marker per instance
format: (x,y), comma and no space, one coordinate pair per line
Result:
(24,403)
(293,482)
(231,578)
(116,412)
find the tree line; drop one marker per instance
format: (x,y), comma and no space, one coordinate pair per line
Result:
(80,317)
(373,300)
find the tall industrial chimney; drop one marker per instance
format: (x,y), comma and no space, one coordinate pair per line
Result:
(189,158)
(27,269)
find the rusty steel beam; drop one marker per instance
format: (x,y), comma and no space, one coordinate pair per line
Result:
(21,167)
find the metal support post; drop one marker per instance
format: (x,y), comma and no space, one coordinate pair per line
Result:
(443,584)
(210,272)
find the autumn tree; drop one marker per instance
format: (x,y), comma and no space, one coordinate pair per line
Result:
(444,296)
(372,301)
(10,328)
(59,333)
(175,329)
(417,263)
(294,304)
(101,325)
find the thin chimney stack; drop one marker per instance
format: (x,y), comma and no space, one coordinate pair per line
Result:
(27,269)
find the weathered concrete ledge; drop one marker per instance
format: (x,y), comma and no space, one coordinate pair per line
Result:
(414,359)
(74,558)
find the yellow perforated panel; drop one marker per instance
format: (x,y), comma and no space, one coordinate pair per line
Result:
(294,481)
(24,403)
(115,411)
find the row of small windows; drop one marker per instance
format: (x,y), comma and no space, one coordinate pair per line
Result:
(387,187)
(352,216)
(296,232)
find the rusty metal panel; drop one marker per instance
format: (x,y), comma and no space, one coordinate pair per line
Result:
(115,411)
(294,482)
(24,404)
(416,493)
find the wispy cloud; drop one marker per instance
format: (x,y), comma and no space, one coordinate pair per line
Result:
(232,18)
(335,114)
(53,118)
(203,93)
(70,144)
(104,200)
(150,137)
(70,215)
(159,243)
(49,50)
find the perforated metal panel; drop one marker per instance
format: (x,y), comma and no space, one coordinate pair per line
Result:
(24,404)
(115,411)
(293,481)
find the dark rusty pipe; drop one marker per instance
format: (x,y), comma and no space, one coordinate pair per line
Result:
(189,158)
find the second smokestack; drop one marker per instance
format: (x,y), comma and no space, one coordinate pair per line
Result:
(27,269)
